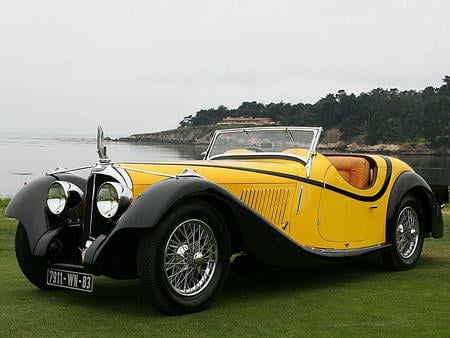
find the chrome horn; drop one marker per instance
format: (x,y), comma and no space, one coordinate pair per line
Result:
(101,148)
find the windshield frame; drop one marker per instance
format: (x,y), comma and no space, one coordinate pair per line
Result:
(306,160)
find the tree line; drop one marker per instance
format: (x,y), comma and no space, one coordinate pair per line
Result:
(379,116)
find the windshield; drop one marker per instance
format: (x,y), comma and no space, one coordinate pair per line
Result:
(263,140)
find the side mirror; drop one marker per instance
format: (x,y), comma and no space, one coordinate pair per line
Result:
(203,155)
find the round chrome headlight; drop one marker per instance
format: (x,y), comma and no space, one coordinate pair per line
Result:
(57,198)
(110,197)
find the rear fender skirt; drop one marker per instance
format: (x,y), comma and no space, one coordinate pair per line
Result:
(260,237)
(29,205)
(411,182)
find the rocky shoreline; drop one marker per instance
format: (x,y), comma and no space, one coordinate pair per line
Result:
(382,148)
(202,136)
(191,135)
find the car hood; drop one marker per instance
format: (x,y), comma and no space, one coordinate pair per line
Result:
(222,172)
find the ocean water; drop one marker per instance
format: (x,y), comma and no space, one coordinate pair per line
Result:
(26,157)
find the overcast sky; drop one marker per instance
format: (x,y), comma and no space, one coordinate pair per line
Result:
(137,66)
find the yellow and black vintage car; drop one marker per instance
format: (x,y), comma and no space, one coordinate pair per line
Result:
(262,193)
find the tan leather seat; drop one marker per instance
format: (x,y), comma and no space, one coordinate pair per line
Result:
(355,170)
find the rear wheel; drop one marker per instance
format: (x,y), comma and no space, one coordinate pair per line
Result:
(406,236)
(183,263)
(32,268)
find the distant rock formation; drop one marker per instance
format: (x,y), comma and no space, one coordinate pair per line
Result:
(331,141)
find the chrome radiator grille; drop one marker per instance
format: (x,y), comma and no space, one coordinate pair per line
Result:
(94,224)
(271,203)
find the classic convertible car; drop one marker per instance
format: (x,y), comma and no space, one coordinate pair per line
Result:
(261,192)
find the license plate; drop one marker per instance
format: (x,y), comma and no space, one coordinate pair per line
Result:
(70,279)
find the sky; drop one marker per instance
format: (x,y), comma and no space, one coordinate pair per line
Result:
(141,66)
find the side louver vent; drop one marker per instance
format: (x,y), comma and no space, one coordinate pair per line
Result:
(268,202)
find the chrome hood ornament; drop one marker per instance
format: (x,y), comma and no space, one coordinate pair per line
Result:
(101,148)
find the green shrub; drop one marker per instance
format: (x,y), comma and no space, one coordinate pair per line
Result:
(4,202)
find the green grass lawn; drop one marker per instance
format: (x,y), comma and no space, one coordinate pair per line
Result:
(355,298)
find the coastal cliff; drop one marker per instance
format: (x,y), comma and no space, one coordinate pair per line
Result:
(188,135)
(331,140)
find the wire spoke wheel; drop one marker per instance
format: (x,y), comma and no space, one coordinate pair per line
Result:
(183,262)
(407,232)
(190,257)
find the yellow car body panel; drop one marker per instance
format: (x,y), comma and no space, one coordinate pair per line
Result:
(259,191)
(319,218)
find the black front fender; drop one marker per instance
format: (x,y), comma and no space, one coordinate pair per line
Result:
(153,204)
(150,208)
(29,204)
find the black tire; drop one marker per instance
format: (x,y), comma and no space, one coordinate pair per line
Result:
(32,267)
(151,262)
(393,259)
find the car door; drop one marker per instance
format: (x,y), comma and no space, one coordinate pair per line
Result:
(348,214)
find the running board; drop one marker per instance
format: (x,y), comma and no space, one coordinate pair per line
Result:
(341,253)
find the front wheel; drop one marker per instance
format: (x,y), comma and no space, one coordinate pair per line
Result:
(406,236)
(183,263)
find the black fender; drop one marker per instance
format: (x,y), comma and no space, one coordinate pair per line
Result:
(152,205)
(150,208)
(259,237)
(29,205)
(410,182)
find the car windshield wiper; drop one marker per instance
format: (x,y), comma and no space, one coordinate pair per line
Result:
(292,138)
(248,135)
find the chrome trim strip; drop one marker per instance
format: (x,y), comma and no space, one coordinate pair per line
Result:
(61,170)
(115,172)
(188,172)
(122,172)
(91,216)
(299,200)
(145,171)
(312,150)
(340,253)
